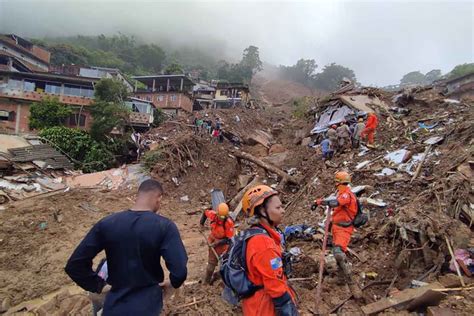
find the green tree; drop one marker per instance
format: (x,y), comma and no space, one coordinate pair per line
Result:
(303,71)
(251,59)
(108,110)
(461,70)
(151,57)
(331,76)
(174,69)
(413,78)
(158,117)
(47,113)
(433,75)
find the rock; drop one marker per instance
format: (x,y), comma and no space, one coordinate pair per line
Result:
(277,159)
(243,180)
(184,198)
(306,141)
(277,148)
(6,303)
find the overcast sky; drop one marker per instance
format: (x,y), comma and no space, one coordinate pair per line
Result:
(379,40)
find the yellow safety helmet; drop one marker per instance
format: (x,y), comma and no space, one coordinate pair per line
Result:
(223,210)
(342,177)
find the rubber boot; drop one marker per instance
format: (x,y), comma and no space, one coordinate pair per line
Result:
(209,272)
(342,262)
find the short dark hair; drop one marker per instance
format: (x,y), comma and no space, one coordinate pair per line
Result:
(150,185)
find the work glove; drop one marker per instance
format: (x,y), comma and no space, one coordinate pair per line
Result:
(284,306)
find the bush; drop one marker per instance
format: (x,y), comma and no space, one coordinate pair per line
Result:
(88,155)
(47,113)
(151,158)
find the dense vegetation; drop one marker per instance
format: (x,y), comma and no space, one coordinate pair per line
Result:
(136,58)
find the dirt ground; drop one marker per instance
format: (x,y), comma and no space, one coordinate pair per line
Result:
(38,235)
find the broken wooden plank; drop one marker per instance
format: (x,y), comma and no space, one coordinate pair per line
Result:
(238,197)
(399,300)
(269,167)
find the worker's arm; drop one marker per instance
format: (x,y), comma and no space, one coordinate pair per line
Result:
(203,219)
(79,265)
(174,254)
(270,266)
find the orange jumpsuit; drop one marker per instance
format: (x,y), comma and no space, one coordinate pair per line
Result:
(345,212)
(220,229)
(370,126)
(265,267)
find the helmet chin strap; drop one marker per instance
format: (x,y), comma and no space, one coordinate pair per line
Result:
(267,217)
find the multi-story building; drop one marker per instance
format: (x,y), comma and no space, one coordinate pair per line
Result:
(18,54)
(18,90)
(230,94)
(171,93)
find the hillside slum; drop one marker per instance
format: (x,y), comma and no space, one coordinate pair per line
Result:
(418,184)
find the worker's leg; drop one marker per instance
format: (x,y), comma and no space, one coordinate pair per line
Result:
(211,266)
(341,238)
(371,136)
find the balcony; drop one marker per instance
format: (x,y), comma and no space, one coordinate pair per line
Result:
(204,96)
(38,96)
(140,118)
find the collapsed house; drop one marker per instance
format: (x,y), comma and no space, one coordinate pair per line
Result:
(347,106)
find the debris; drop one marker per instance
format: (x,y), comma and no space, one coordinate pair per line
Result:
(88,207)
(285,177)
(306,141)
(184,198)
(439,311)
(376,202)
(401,299)
(398,156)
(385,172)
(418,169)
(453,258)
(43,225)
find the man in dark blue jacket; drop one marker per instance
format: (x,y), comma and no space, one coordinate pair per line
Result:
(134,242)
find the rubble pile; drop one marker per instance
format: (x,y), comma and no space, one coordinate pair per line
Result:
(417,183)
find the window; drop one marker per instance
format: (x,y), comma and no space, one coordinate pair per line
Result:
(173,97)
(75,118)
(7,116)
(148,98)
(29,86)
(160,98)
(14,84)
(53,88)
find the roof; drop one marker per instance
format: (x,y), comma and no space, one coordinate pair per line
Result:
(44,152)
(10,42)
(26,64)
(163,79)
(51,77)
(362,102)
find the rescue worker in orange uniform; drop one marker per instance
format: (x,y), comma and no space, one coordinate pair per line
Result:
(344,211)
(369,130)
(264,256)
(222,230)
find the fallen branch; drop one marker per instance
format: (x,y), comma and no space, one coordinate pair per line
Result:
(418,169)
(456,265)
(238,197)
(191,304)
(271,168)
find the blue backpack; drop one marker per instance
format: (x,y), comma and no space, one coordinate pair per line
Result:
(234,268)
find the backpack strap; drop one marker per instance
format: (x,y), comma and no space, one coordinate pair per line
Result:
(249,233)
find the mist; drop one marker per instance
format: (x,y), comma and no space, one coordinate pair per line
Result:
(380,41)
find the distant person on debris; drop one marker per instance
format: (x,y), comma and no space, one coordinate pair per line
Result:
(134,242)
(205,124)
(209,127)
(369,130)
(332,135)
(266,267)
(344,211)
(215,135)
(198,125)
(222,230)
(326,149)
(218,123)
(343,136)
(359,127)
